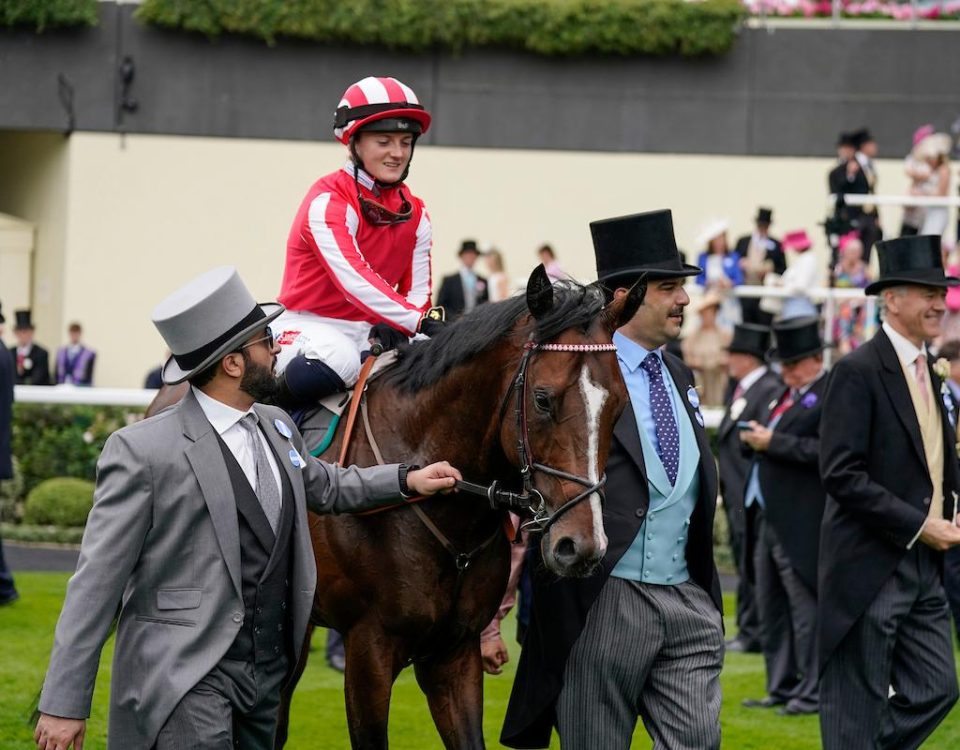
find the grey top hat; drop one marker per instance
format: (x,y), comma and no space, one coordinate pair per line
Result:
(206,319)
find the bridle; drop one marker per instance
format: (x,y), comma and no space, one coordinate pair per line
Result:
(530,499)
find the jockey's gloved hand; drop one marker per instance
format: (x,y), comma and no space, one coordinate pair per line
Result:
(388,336)
(432,321)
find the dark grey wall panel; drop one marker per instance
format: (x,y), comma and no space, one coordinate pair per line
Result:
(788,92)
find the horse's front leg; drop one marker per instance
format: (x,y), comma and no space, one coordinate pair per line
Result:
(373,661)
(453,684)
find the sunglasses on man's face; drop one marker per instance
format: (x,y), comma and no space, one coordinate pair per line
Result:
(269,338)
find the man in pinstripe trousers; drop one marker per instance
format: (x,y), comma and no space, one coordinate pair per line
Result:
(888,461)
(643,635)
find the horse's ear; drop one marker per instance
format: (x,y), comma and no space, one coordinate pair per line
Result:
(621,311)
(539,292)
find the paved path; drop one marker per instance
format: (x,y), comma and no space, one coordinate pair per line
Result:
(30,557)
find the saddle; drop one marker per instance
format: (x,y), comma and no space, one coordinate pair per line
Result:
(319,424)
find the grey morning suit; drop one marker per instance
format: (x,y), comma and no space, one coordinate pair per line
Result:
(163,546)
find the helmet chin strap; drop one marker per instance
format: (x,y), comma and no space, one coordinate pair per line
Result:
(358,164)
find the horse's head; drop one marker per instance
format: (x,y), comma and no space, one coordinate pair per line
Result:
(568,394)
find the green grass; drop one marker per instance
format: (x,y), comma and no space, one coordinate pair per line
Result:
(318,721)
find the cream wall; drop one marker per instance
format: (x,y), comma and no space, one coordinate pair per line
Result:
(142,214)
(34,175)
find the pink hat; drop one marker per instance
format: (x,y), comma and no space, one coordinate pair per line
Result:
(922,132)
(846,239)
(798,240)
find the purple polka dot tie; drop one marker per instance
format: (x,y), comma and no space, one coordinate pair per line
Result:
(668,438)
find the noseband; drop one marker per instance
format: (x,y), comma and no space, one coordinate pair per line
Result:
(530,499)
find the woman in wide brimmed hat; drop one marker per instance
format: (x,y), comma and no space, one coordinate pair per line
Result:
(721,269)
(933,150)
(802,274)
(705,350)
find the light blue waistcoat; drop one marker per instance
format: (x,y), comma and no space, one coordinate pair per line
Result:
(658,553)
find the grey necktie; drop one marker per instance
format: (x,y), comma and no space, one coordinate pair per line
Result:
(267,491)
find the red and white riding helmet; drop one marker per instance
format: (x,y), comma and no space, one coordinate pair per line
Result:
(374,99)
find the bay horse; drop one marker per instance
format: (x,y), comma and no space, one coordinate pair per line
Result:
(401,593)
(521,394)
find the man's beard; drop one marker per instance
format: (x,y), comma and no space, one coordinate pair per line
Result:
(258,381)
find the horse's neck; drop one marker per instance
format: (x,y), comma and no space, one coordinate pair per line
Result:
(457,420)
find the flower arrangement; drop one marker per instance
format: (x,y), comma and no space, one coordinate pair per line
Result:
(898,11)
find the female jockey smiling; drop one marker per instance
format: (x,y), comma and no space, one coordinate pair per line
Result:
(358,254)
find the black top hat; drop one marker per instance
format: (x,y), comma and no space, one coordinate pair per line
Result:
(859,137)
(764,216)
(23,320)
(910,260)
(797,338)
(468,246)
(846,139)
(627,246)
(750,339)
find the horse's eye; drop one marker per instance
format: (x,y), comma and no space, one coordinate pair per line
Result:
(543,401)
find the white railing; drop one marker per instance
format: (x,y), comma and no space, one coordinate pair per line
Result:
(71,394)
(867,199)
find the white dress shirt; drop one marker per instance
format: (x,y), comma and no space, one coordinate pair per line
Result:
(225,420)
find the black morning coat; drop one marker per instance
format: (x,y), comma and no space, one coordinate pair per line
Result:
(790,481)
(878,487)
(560,606)
(734,465)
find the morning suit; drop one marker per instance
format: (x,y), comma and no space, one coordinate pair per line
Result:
(31,366)
(7,590)
(563,609)
(778,262)
(750,404)
(786,509)
(883,618)
(453,295)
(163,546)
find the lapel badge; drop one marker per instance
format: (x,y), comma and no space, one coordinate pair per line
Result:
(295,459)
(693,397)
(283,428)
(699,417)
(737,407)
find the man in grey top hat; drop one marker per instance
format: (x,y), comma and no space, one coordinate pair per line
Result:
(198,537)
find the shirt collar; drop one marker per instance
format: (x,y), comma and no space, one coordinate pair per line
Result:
(630,353)
(752,377)
(906,350)
(362,177)
(221,416)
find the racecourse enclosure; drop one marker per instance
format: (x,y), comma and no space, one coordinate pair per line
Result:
(318,721)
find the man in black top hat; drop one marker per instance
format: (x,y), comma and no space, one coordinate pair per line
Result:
(784,501)
(8,592)
(31,361)
(888,463)
(642,636)
(752,387)
(760,254)
(462,291)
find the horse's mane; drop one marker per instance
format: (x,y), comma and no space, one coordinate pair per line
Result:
(423,363)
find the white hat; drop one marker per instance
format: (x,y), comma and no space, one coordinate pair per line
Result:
(206,319)
(935,144)
(713,228)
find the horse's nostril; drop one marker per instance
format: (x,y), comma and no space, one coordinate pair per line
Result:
(565,552)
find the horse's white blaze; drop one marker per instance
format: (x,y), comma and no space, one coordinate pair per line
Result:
(594,397)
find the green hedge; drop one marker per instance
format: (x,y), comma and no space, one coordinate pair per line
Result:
(545,27)
(63,501)
(62,441)
(43,14)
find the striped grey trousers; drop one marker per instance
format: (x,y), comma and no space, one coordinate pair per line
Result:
(903,641)
(649,651)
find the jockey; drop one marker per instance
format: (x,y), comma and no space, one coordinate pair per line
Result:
(358,254)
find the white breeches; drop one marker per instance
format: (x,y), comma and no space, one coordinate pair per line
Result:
(336,343)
